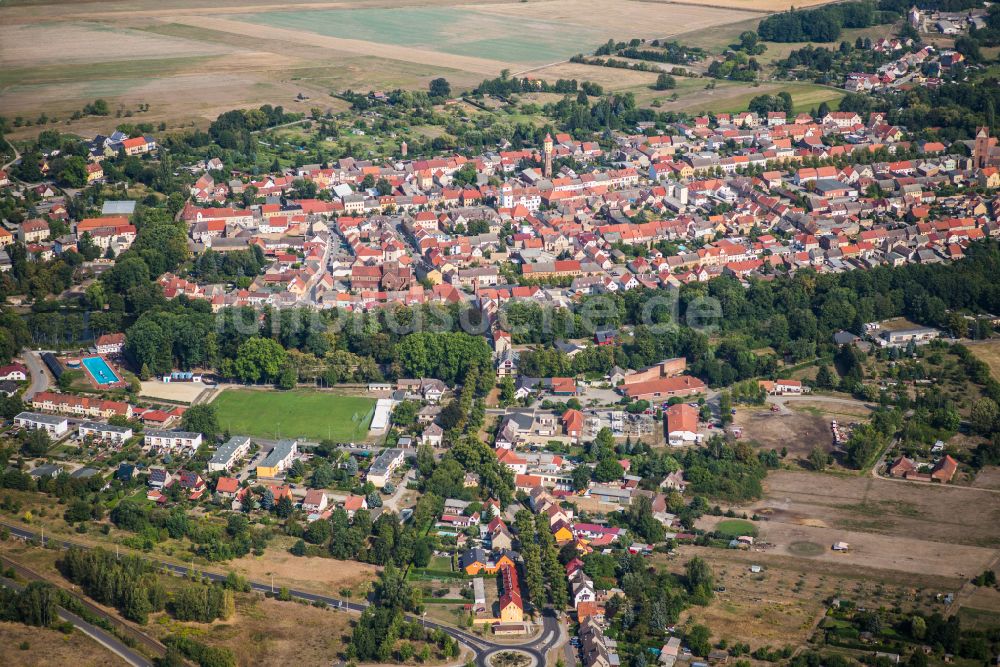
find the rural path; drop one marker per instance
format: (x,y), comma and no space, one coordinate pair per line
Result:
(17,156)
(102,637)
(781,401)
(969,587)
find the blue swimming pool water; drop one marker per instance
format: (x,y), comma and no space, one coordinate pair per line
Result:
(100,371)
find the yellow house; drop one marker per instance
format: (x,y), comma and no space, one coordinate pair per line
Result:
(989,177)
(562,533)
(510,608)
(95,172)
(434,277)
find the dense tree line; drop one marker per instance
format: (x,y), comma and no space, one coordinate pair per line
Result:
(128,583)
(212,541)
(731,472)
(504,85)
(35,605)
(817,25)
(131,585)
(213,267)
(234,129)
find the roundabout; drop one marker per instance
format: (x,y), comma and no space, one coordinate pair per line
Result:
(510,657)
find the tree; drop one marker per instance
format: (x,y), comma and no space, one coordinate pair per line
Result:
(983,415)
(405,413)
(318,532)
(35,442)
(608,469)
(36,604)
(284,508)
(699,580)
(665,82)
(440,88)
(698,640)
(374,499)
(259,360)
(581,477)
(824,380)
(202,419)
(73,172)
(818,458)
(507,390)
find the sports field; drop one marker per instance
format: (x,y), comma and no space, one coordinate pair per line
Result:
(301,413)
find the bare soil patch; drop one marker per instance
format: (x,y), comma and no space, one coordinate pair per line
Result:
(798,432)
(988,478)
(181,392)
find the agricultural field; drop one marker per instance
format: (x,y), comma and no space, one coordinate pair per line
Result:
(315,415)
(189,61)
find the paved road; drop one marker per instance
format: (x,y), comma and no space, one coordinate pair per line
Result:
(99,635)
(481,647)
(39,376)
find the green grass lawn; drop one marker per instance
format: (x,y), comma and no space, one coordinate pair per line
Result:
(300,413)
(736,528)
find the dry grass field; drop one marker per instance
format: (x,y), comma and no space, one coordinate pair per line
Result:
(51,648)
(190,61)
(268,632)
(988,351)
(320,575)
(781,604)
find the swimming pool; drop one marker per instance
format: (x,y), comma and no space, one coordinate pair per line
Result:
(100,371)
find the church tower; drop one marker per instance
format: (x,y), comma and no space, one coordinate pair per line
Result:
(981,148)
(547,148)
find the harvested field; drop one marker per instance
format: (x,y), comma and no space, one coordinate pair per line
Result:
(51,648)
(857,410)
(320,575)
(915,512)
(189,62)
(879,552)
